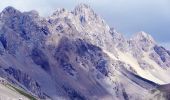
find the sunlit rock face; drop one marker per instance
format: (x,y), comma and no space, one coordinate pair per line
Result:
(75,55)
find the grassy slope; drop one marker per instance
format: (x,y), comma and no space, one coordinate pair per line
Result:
(29,96)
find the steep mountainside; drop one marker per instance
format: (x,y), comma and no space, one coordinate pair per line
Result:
(75,55)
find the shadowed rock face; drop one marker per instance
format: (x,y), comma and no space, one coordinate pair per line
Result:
(83,50)
(73,57)
(162,52)
(161,56)
(40,59)
(3,41)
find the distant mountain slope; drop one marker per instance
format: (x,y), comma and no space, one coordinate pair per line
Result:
(75,55)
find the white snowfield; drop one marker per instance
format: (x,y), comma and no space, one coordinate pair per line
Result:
(10,94)
(157,71)
(147,74)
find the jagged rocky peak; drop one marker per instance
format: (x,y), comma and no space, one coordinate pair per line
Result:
(60,12)
(9,11)
(11,15)
(86,13)
(82,14)
(82,8)
(144,37)
(143,41)
(139,43)
(79,10)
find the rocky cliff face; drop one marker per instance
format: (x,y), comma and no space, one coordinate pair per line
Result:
(75,55)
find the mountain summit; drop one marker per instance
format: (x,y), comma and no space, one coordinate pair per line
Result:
(75,55)
(82,8)
(142,36)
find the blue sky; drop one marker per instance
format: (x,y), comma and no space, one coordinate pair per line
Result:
(127,16)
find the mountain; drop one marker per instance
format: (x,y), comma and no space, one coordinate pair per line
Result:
(75,55)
